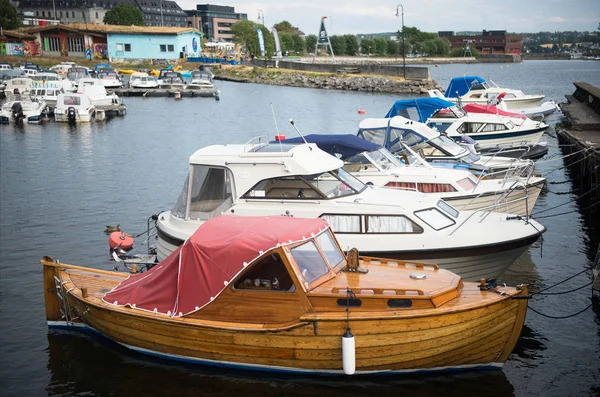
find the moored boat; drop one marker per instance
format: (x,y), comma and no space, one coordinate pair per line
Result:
(278,294)
(74,108)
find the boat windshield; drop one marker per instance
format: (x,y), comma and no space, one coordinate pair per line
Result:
(382,159)
(310,262)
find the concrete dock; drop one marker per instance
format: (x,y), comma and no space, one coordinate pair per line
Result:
(158,92)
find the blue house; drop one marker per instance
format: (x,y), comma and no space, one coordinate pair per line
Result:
(152,42)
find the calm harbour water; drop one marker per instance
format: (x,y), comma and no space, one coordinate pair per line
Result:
(59,187)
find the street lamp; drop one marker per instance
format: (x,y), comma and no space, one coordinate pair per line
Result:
(260,12)
(403,48)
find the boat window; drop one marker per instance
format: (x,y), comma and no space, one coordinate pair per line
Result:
(383,159)
(510,125)
(491,127)
(72,101)
(439,126)
(435,188)
(399,303)
(467,183)
(447,145)
(330,248)
(435,218)
(469,128)
(293,187)
(376,135)
(343,223)
(448,208)
(268,274)
(210,195)
(399,136)
(391,224)
(310,262)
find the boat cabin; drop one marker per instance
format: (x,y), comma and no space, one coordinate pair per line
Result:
(274,270)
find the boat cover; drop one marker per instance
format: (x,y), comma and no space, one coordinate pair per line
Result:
(490,109)
(461,85)
(346,145)
(202,267)
(424,108)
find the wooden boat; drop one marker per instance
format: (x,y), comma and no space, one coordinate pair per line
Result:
(278,294)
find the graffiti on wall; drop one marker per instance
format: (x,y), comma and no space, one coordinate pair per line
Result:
(30,48)
(2,49)
(100,51)
(14,49)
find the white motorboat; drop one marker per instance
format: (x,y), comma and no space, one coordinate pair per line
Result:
(74,108)
(474,89)
(110,79)
(19,109)
(538,113)
(142,80)
(171,80)
(101,99)
(75,73)
(439,150)
(375,165)
(505,133)
(18,86)
(201,81)
(47,86)
(304,181)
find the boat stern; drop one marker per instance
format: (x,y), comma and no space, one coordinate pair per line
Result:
(51,278)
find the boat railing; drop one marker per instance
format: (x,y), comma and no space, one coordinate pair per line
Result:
(500,202)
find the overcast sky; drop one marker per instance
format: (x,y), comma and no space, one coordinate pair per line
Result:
(372,16)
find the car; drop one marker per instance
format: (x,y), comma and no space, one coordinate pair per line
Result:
(5,66)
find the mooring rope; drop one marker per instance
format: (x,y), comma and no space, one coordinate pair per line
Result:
(559,317)
(568,212)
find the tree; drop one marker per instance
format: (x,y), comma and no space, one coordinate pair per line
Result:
(285,26)
(299,44)
(338,43)
(379,46)
(9,17)
(124,14)
(286,40)
(393,47)
(351,44)
(244,33)
(311,42)
(366,46)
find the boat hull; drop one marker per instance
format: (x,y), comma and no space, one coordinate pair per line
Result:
(462,335)
(472,264)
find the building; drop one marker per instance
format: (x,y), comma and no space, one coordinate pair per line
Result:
(489,42)
(214,21)
(156,12)
(14,42)
(117,43)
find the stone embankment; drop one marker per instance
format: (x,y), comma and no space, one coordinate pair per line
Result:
(348,82)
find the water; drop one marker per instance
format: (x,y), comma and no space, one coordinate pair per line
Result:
(59,187)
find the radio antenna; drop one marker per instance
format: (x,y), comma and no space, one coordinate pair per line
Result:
(297,130)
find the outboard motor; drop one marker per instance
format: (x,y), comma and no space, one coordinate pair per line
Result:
(17,112)
(71,115)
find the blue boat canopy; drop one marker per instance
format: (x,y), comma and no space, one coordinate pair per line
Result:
(344,145)
(461,85)
(419,109)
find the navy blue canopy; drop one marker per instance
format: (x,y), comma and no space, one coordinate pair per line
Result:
(461,85)
(424,108)
(345,145)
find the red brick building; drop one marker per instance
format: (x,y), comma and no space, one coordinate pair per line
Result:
(489,42)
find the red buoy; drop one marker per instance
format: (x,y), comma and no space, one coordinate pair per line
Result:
(279,138)
(120,240)
(360,111)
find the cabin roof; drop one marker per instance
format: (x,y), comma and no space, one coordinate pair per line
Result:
(305,159)
(202,267)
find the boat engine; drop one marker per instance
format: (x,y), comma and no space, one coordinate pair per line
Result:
(17,112)
(71,115)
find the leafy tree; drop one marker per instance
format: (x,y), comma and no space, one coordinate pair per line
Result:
(244,33)
(286,40)
(124,14)
(393,47)
(311,42)
(443,46)
(351,44)
(338,43)
(380,46)
(366,46)
(299,44)
(9,17)
(285,26)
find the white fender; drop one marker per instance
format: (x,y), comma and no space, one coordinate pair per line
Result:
(348,353)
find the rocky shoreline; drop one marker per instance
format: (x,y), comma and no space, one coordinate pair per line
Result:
(347,82)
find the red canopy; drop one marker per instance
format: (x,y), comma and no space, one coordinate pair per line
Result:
(199,270)
(477,108)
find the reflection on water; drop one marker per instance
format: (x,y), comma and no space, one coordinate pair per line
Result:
(88,364)
(529,348)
